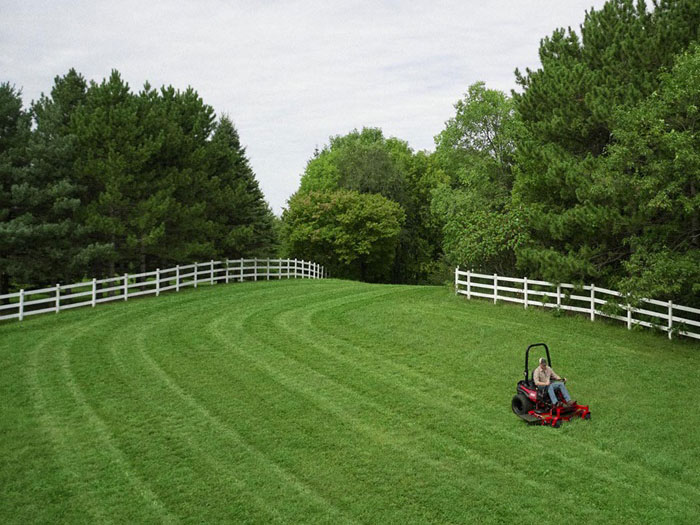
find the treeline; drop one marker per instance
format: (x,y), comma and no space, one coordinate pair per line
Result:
(96,180)
(590,173)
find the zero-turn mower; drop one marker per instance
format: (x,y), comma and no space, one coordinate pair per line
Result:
(532,403)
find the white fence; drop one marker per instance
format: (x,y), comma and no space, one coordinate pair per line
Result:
(662,315)
(90,293)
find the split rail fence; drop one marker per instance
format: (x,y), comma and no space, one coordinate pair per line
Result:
(591,300)
(90,293)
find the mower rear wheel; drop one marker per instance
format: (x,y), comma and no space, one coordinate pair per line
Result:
(587,416)
(521,404)
(557,423)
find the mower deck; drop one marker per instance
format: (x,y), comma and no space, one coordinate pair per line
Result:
(555,416)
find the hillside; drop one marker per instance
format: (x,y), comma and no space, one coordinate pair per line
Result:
(334,401)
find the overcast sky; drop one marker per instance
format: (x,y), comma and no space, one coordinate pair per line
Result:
(289,73)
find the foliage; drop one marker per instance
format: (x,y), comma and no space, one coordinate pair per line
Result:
(15,226)
(367,162)
(111,181)
(569,110)
(481,229)
(652,176)
(354,235)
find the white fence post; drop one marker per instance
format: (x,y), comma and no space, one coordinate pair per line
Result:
(58,297)
(495,288)
(255,269)
(157,282)
(211,272)
(457,279)
(469,284)
(295,268)
(177,278)
(629,317)
(241,269)
(267,272)
(670,319)
(559,296)
(196,266)
(592,302)
(126,286)
(226,270)
(21,304)
(525,291)
(94,292)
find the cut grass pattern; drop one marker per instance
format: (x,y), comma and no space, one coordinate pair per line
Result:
(337,402)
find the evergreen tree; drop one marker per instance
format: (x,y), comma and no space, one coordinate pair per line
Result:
(16,225)
(568,108)
(652,175)
(54,153)
(242,221)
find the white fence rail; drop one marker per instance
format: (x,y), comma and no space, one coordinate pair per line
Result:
(590,300)
(90,293)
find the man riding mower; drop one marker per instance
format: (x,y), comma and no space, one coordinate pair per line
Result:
(543,399)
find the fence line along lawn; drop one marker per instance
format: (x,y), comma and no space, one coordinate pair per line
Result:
(337,402)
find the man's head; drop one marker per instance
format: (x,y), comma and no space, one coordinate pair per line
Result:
(543,362)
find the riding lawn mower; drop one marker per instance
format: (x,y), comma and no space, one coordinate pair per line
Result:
(532,403)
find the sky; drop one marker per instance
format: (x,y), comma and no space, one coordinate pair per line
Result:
(289,74)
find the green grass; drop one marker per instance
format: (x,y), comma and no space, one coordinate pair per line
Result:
(335,402)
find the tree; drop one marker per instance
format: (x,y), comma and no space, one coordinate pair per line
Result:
(361,161)
(72,253)
(367,162)
(481,229)
(242,220)
(568,109)
(119,194)
(16,230)
(652,176)
(354,235)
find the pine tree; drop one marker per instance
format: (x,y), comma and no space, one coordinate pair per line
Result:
(53,150)
(16,227)
(568,108)
(242,220)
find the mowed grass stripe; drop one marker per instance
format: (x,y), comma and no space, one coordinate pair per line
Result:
(630,413)
(426,393)
(432,392)
(329,401)
(210,430)
(73,425)
(381,424)
(598,475)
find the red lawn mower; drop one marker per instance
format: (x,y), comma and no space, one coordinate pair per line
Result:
(534,405)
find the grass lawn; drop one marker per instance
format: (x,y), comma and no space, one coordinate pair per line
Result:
(335,402)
